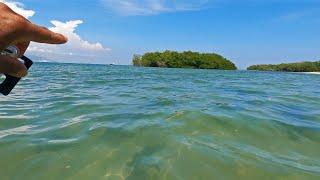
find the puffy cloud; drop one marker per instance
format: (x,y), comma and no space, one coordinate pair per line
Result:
(75,45)
(75,41)
(18,8)
(151,7)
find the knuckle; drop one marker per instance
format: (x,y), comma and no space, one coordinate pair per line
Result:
(21,21)
(3,6)
(16,24)
(35,29)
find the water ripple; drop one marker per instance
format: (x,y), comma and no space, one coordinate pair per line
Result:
(70,121)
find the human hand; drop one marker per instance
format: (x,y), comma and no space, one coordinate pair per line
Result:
(16,30)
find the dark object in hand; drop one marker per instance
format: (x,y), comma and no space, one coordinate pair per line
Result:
(10,82)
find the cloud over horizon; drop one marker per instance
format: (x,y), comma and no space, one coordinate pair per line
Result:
(152,7)
(75,46)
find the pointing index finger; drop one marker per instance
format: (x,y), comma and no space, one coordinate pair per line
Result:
(43,35)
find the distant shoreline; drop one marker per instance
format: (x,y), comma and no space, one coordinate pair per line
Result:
(306,66)
(310,73)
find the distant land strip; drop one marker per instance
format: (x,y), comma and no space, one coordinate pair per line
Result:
(187,59)
(288,67)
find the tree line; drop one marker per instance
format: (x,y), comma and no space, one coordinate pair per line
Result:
(289,67)
(187,59)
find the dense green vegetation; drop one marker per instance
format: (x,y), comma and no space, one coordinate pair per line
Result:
(188,59)
(291,67)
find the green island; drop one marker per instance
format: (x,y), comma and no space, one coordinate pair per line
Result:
(187,59)
(289,67)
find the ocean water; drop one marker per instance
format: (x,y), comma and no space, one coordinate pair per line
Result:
(69,121)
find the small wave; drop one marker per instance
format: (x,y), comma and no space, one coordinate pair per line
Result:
(74,120)
(280,159)
(173,119)
(62,141)
(16,131)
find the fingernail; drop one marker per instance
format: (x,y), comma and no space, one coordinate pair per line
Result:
(22,73)
(64,38)
(61,38)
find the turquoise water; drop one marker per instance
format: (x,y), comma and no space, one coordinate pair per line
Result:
(68,121)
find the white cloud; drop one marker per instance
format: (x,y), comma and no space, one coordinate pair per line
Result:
(152,7)
(76,46)
(18,8)
(75,50)
(38,49)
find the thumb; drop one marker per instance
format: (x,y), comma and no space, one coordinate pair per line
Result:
(22,47)
(12,66)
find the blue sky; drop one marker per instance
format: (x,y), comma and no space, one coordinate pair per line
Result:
(245,31)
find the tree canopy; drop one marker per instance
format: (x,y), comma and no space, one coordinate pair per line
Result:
(187,59)
(290,67)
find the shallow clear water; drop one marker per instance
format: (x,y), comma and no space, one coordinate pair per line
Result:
(68,121)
